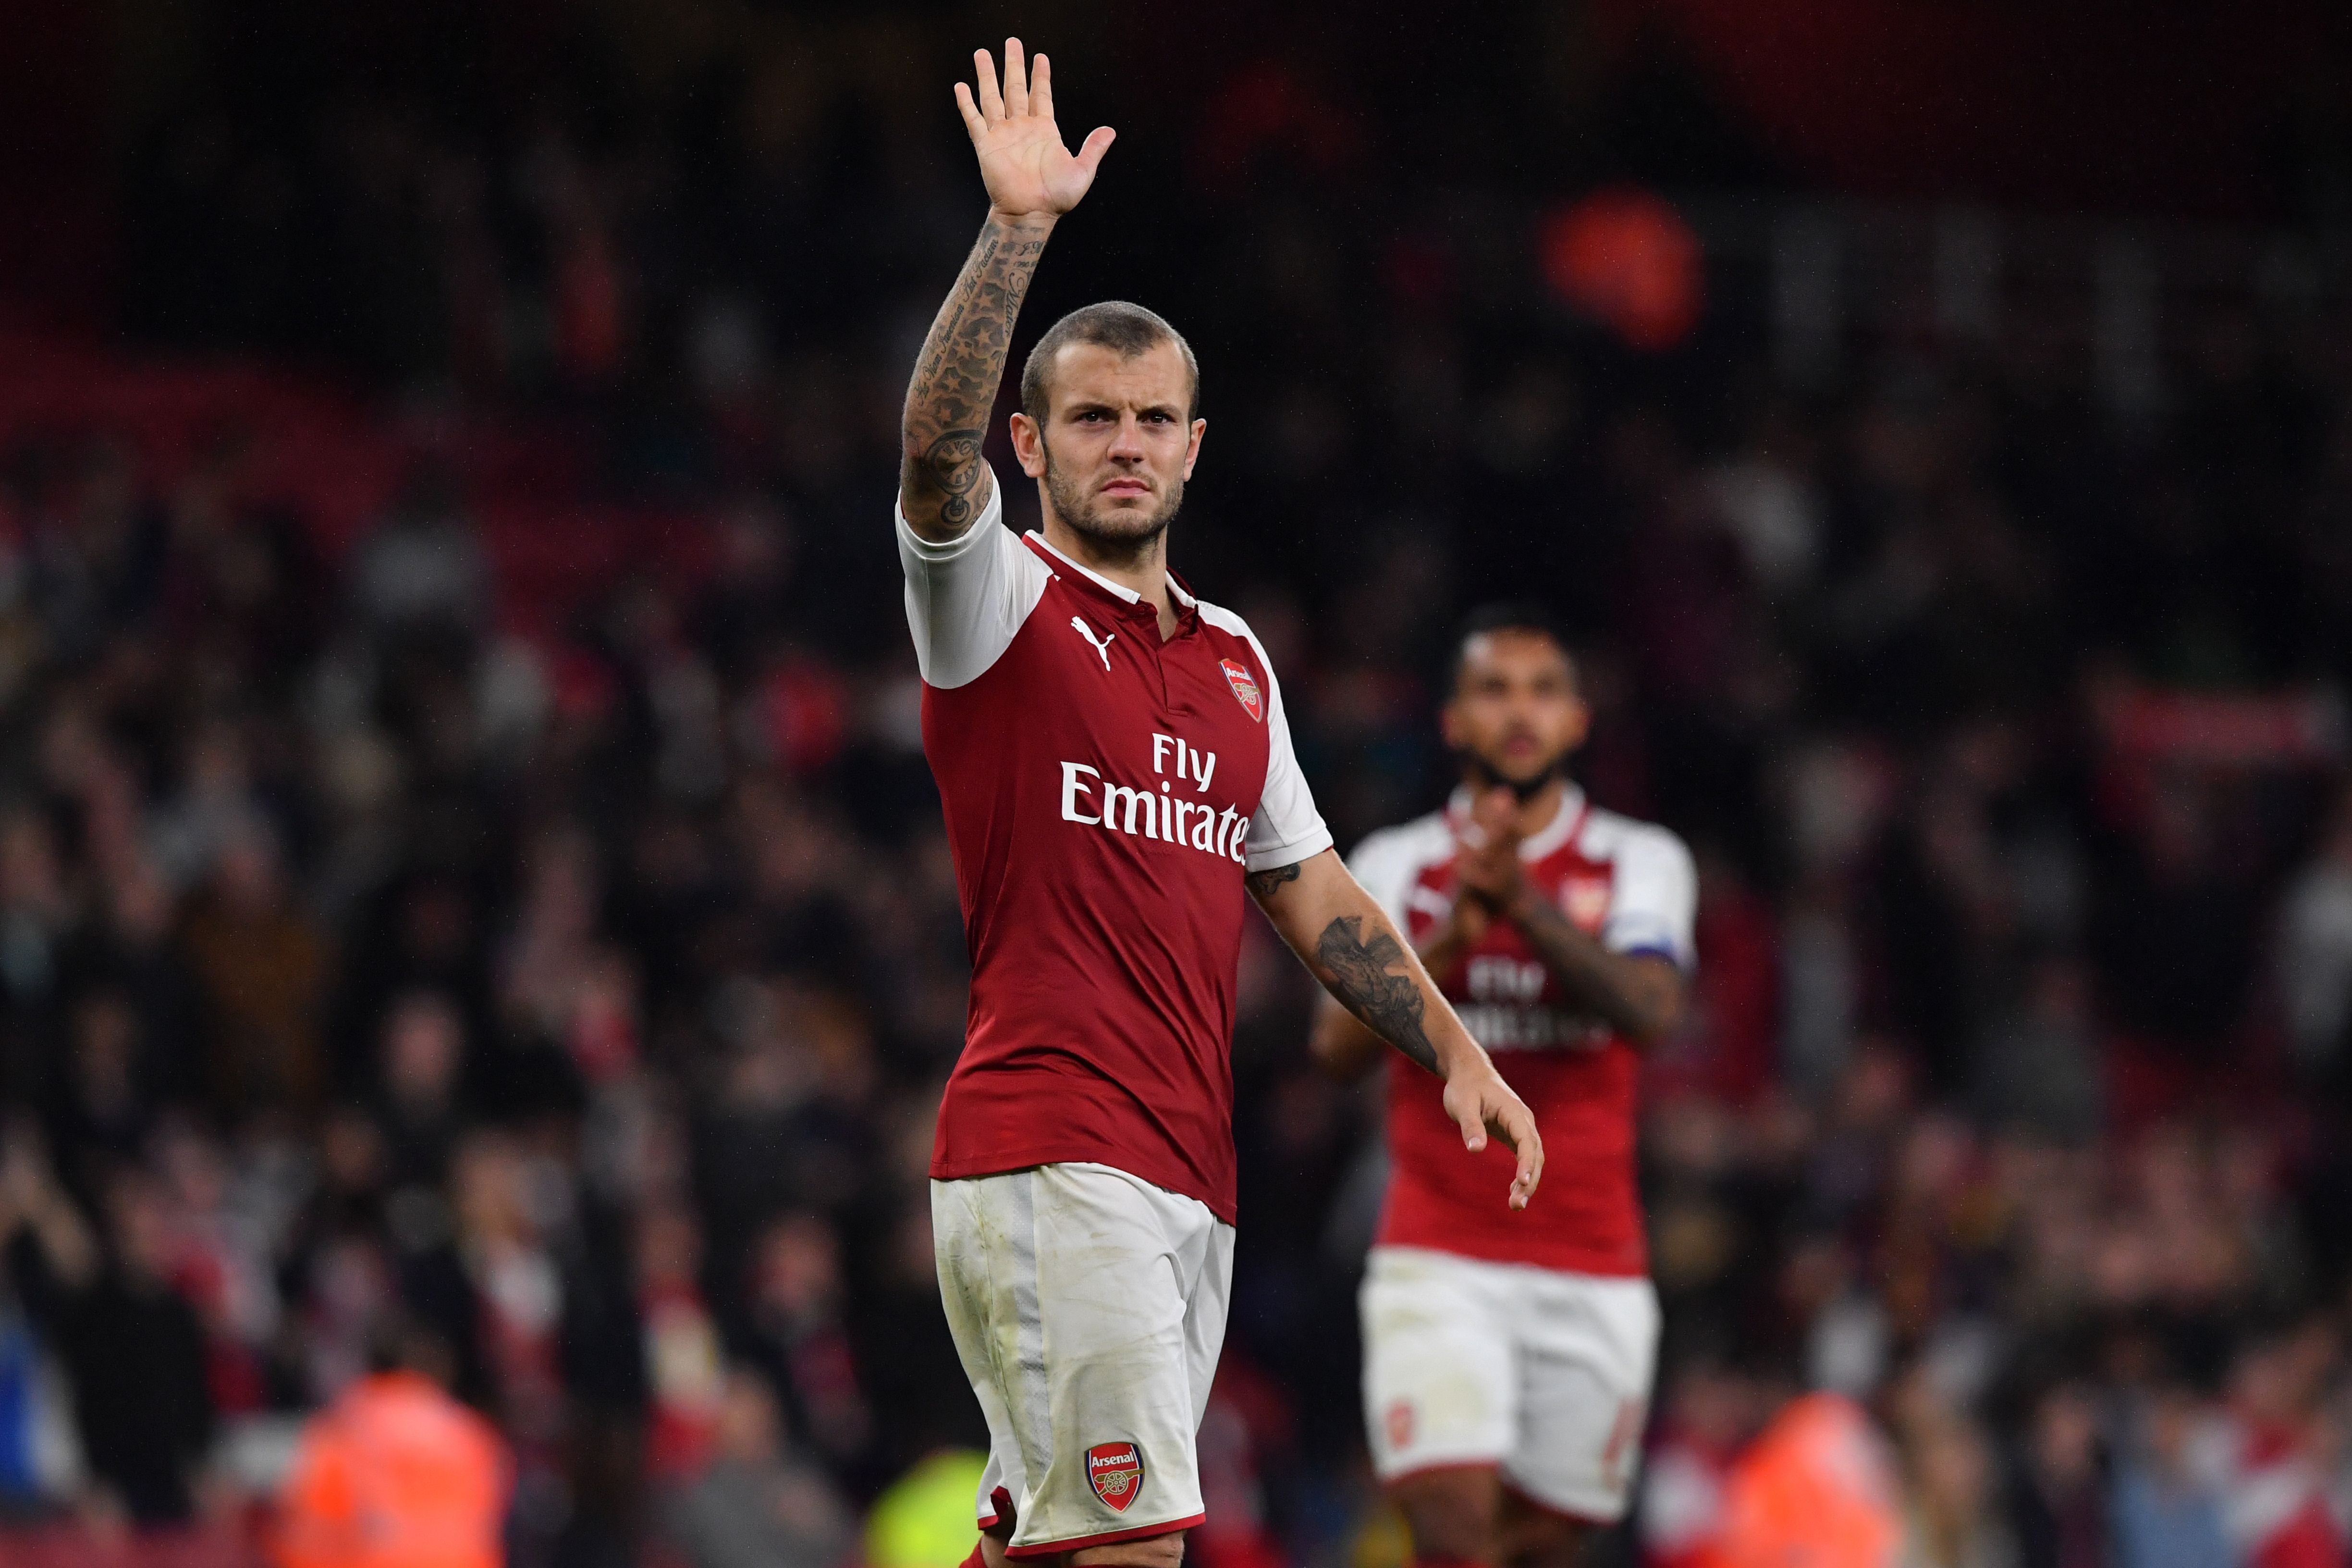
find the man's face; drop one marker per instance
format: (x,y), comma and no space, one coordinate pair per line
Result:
(1514,714)
(1115,448)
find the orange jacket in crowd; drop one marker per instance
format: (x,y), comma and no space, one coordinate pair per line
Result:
(1816,1490)
(395,1474)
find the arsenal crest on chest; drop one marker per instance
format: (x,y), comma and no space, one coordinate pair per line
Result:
(1244,685)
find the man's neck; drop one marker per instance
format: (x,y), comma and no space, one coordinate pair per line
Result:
(1539,810)
(1143,570)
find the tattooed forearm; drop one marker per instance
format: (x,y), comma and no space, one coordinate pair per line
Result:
(1375,981)
(943,484)
(1262,884)
(1640,999)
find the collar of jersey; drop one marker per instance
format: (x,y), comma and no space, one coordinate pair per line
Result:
(1126,596)
(1547,839)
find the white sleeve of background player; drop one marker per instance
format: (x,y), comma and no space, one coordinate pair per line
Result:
(1285,828)
(1388,865)
(1653,899)
(968,595)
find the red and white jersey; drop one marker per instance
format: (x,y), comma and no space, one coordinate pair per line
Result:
(1105,792)
(1631,884)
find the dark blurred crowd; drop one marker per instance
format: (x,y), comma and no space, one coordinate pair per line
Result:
(566,966)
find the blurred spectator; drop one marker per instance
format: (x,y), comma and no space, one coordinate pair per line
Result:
(263,970)
(421,1114)
(683,1357)
(134,1350)
(756,1505)
(2166,1516)
(798,1337)
(2059,1496)
(395,1473)
(2315,956)
(1951,1516)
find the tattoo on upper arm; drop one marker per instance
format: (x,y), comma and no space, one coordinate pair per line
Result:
(1262,884)
(953,464)
(1374,980)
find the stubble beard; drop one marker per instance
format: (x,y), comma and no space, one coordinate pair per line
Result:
(1485,775)
(1115,534)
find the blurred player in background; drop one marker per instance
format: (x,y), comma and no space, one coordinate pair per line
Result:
(1115,769)
(1508,1358)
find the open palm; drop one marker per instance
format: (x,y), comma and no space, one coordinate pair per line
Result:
(1027,170)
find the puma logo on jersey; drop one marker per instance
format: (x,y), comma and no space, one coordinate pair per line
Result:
(1101,646)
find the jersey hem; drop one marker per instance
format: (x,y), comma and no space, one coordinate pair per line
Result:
(973,1170)
(1112,1538)
(1586,1264)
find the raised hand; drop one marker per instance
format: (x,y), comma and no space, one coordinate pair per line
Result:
(1028,171)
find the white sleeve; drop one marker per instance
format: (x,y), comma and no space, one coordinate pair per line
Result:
(1285,828)
(1388,867)
(967,596)
(1654,896)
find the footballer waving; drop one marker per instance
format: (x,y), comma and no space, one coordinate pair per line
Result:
(1115,769)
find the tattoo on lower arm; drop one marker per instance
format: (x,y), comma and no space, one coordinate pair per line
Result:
(1262,884)
(956,378)
(1374,980)
(1627,999)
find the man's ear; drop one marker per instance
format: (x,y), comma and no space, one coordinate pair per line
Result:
(1193,451)
(1029,446)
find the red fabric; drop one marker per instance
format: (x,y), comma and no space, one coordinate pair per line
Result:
(1588,1218)
(681,1356)
(1103,961)
(1080,1542)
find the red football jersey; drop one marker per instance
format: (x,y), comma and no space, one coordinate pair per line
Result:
(1631,884)
(1105,792)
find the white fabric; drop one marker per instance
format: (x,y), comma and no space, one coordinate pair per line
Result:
(1542,1374)
(1089,1307)
(967,596)
(966,600)
(1285,828)
(1653,895)
(1389,863)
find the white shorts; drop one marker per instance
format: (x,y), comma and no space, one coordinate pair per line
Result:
(1541,1374)
(1089,1307)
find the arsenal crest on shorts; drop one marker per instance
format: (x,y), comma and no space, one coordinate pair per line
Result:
(1116,1469)
(1244,685)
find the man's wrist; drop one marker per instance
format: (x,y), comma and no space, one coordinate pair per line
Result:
(1458,1052)
(1038,225)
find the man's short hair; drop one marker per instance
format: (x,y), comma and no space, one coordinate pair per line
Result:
(1127,330)
(1516,615)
